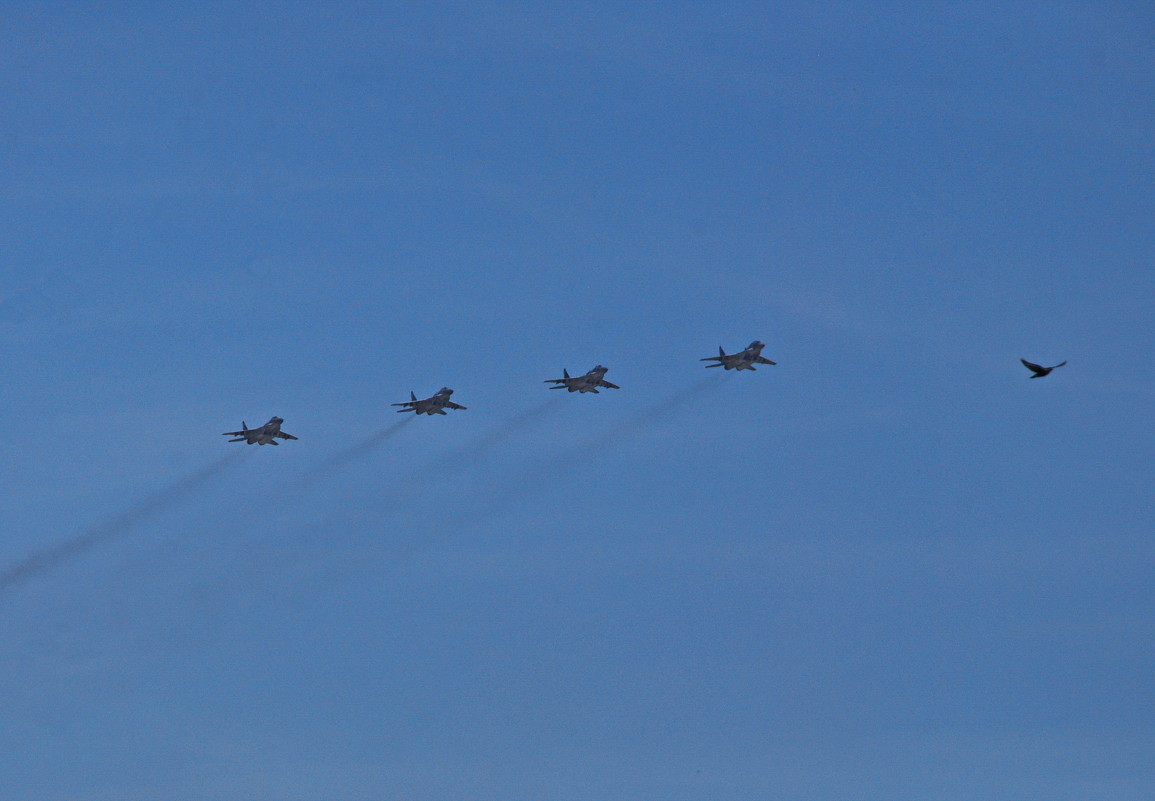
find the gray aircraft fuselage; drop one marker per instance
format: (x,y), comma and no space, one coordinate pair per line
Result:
(589,381)
(265,435)
(436,404)
(744,360)
(584,383)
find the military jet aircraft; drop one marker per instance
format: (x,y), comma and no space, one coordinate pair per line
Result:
(1038,370)
(265,435)
(584,383)
(431,406)
(739,361)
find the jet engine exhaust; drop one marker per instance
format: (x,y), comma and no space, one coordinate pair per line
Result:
(339,460)
(52,558)
(505,492)
(343,459)
(471,452)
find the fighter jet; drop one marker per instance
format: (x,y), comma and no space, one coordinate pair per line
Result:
(1038,370)
(431,406)
(584,383)
(739,361)
(265,435)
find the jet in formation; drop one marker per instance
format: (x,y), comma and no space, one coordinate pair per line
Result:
(1038,370)
(270,432)
(436,404)
(740,361)
(265,435)
(584,383)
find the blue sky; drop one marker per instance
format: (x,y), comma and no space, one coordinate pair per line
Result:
(891,567)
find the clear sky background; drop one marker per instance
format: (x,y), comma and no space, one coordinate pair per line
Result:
(891,567)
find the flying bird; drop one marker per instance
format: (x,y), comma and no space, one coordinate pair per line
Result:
(1038,370)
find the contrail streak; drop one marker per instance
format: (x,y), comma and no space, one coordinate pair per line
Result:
(339,460)
(342,459)
(442,466)
(52,558)
(405,545)
(403,495)
(632,427)
(472,451)
(643,419)
(550,469)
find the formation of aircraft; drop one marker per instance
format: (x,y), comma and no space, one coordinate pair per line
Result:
(1038,370)
(739,361)
(436,404)
(584,383)
(265,435)
(590,382)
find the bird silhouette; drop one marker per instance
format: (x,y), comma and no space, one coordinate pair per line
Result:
(1038,370)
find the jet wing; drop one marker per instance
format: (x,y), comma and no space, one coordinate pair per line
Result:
(234,433)
(607,384)
(453,405)
(283,435)
(764,360)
